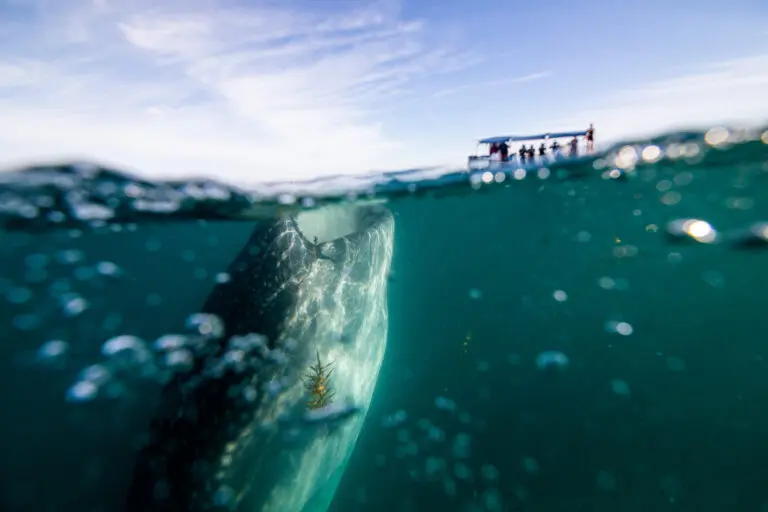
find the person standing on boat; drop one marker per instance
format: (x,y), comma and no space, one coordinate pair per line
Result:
(494,149)
(504,151)
(531,153)
(543,149)
(522,153)
(590,138)
(575,147)
(555,148)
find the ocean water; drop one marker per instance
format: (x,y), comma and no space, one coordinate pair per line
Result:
(585,335)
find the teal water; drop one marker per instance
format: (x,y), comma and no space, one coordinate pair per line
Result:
(556,340)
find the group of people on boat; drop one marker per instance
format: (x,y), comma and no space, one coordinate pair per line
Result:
(529,154)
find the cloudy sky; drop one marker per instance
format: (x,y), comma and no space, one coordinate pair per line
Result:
(290,89)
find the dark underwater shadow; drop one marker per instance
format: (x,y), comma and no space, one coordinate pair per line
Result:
(58,454)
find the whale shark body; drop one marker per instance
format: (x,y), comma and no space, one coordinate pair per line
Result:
(233,432)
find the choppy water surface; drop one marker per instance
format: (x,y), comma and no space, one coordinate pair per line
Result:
(588,335)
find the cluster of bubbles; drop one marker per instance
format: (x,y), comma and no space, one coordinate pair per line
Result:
(83,193)
(446,458)
(441,457)
(439,449)
(68,302)
(558,360)
(170,354)
(198,350)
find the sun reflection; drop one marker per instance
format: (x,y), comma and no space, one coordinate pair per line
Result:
(717,136)
(700,230)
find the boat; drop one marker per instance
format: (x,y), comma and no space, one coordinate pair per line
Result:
(485,157)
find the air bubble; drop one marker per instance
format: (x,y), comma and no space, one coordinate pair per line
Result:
(274,388)
(126,350)
(462,471)
(250,393)
(531,465)
(51,350)
(622,328)
(121,343)
(36,260)
(620,387)
(461,446)
(434,466)
(96,373)
(250,343)
(74,305)
(83,391)
(26,322)
(436,435)
(489,472)
(170,342)
(18,295)
(206,324)
(69,256)
(492,500)
(92,211)
(606,283)
(552,359)
(278,357)
(286,199)
(224,497)
(395,419)
(445,404)
(107,268)
(180,360)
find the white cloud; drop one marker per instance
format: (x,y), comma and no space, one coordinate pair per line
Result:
(238,93)
(488,84)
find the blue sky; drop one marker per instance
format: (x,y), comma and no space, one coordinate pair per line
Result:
(254,91)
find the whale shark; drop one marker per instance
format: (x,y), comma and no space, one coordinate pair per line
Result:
(233,431)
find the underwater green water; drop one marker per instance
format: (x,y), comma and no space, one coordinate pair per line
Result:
(554,344)
(669,417)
